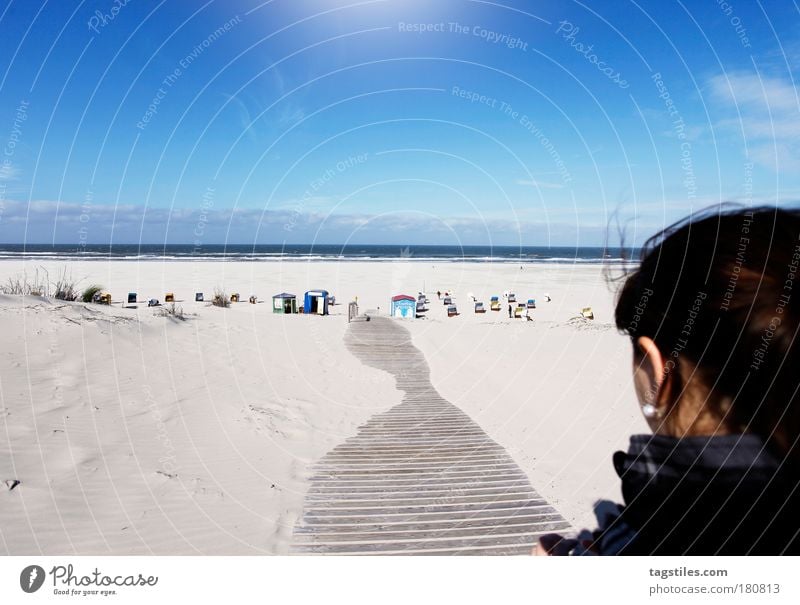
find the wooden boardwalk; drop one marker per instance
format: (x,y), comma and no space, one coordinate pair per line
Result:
(421,478)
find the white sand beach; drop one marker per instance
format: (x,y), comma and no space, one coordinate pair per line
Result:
(134,433)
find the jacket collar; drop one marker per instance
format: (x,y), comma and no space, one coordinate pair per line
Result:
(663,457)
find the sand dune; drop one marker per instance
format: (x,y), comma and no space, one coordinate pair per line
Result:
(133,433)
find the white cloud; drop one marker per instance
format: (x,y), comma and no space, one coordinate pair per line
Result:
(540,184)
(766,110)
(752,89)
(42,221)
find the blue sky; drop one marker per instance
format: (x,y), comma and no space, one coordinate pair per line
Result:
(396,121)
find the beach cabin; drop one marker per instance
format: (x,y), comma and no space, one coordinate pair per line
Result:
(198,297)
(352,311)
(479,308)
(404,306)
(284,303)
(452,311)
(494,304)
(316,302)
(169,297)
(531,303)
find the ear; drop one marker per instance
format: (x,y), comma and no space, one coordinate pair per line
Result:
(648,370)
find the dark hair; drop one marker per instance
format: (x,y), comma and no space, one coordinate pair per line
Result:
(722,292)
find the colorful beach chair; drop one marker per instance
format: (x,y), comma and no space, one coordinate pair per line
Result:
(479,308)
(494,303)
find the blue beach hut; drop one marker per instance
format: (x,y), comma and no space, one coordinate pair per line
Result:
(316,302)
(404,305)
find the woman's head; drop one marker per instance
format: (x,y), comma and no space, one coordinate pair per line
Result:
(713,312)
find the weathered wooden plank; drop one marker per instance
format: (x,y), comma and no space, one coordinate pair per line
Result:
(517,539)
(421,478)
(428,535)
(436,525)
(453,517)
(502,488)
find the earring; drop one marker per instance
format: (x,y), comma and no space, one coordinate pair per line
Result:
(650,411)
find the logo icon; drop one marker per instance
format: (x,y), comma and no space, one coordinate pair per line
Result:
(31,578)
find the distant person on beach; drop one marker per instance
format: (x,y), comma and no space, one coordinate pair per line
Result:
(713,314)
(510,311)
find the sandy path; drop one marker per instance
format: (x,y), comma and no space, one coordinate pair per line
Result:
(421,478)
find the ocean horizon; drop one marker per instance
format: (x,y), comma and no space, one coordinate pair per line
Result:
(328,252)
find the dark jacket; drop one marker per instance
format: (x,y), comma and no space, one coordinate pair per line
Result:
(724,495)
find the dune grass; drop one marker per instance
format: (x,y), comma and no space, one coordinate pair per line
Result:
(88,294)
